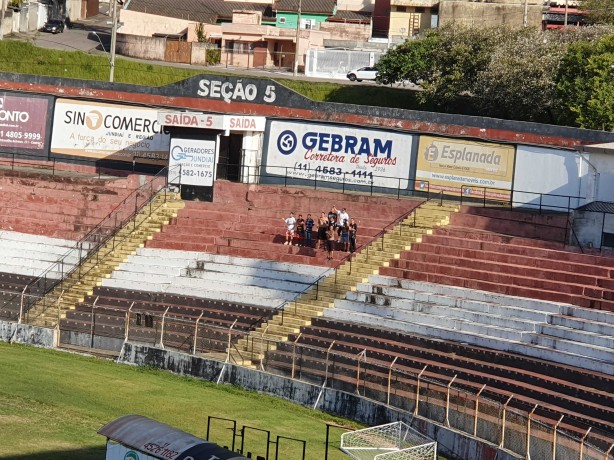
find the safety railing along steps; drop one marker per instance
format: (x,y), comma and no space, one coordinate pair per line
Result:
(101,263)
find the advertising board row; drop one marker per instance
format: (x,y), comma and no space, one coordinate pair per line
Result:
(369,157)
(303,151)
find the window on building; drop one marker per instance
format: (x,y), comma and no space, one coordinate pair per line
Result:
(282,20)
(419,10)
(401,9)
(608,240)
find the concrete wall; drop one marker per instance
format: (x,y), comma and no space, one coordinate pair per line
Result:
(340,31)
(151,48)
(144,24)
(567,175)
(450,443)
(83,339)
(605,165)
(30,335)
(488,14)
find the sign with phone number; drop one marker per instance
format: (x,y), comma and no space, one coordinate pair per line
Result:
(192,162)
(339,154)
(23,121)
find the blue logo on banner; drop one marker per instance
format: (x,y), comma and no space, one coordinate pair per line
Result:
(287,142)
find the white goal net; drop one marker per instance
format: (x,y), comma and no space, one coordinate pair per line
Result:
(393,441)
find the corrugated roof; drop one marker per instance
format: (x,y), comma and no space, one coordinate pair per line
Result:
(205,11)
(307,6)
(606,207)
(162,441)
(343,15)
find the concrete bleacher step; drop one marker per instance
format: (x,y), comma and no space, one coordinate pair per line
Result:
(497,315)
(96,266)
(336,285)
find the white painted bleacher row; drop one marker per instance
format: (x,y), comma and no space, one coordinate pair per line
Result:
(32,255)
(234,279)
(557,332)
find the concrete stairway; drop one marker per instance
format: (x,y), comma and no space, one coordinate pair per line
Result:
(100,264)
(352,271)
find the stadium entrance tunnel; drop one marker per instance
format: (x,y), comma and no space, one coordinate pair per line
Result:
(392,441)
(134,437)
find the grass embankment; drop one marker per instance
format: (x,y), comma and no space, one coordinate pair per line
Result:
(53,403)
(22,57)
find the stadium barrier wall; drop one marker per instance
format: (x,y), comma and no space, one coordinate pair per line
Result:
(27,334)
(450,442)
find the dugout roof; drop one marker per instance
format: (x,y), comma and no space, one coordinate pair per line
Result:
(162,441)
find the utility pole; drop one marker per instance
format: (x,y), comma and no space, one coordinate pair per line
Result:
(2,19)
(298,37)
(525,16)
(566,10)
(113,40)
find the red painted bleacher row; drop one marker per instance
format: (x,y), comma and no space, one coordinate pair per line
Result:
(247,221)
(464,255)
(583,396)
(58,206)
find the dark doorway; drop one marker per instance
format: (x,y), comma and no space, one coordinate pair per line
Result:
(229,163)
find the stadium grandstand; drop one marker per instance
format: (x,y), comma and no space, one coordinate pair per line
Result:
(483,313)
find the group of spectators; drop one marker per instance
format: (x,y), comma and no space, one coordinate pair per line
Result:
(336,227)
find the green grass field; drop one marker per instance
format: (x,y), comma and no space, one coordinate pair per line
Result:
(23,57)
(53,403)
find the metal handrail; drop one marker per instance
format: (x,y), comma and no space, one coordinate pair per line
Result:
(101,234)
(281,176)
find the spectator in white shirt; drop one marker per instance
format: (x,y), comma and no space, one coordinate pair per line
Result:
(290,225)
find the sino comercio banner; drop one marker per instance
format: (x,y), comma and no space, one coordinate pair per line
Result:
(23,122)
(109,131)
(337,154)
(464,167)
(192,162)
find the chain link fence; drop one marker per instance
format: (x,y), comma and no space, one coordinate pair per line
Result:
(419,393)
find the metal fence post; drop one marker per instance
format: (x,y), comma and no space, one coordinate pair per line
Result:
(447,421)
(582,442)
(503,421)
(229,339)
(92,323)
(389,379)
(418,389)
(196,333)
(294,353)
(362,354)
(23,293)
(554,441)
(528,453)
(162,328)
(127,324)
(477,404)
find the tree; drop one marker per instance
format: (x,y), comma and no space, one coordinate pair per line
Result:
(445,64)
(518,81)
(598,11)
(585,84)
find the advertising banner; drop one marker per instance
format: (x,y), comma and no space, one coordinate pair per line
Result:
(119,452)
(23,122)
(339,154)
(109,132)
(457,166)
(192,162)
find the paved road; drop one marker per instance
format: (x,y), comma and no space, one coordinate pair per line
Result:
(93,35)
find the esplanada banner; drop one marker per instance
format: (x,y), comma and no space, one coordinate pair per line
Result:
(461,167)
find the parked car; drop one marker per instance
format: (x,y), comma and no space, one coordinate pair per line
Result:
(364,73)
(54,26)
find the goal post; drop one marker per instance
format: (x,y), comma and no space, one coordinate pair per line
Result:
(392,441)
